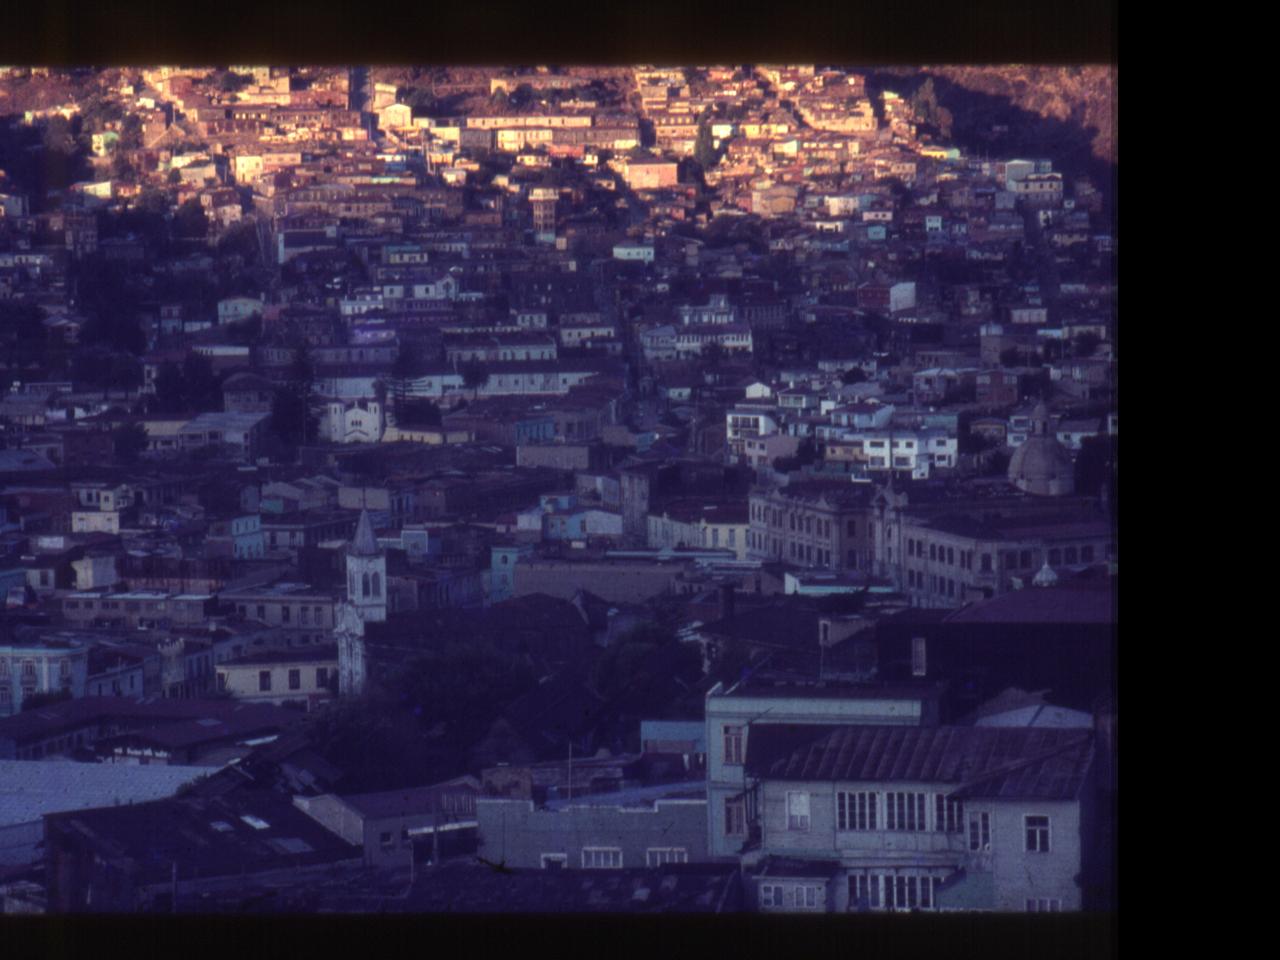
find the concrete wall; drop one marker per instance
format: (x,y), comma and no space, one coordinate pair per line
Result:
(516,833)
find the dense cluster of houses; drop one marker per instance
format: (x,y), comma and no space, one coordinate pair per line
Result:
(746,353)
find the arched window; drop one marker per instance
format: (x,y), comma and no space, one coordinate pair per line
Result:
(377,585)
(365,584)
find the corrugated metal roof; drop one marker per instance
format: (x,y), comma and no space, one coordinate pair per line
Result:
(1024,763)
(31,788)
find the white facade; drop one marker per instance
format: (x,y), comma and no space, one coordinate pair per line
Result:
(359,421)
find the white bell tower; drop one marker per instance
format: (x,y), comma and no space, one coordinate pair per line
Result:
(367,573)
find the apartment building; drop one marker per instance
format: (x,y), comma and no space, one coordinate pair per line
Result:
(816,524)
(734,716)
(899,818)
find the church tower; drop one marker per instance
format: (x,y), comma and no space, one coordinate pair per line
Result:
(367,573)
(366,603)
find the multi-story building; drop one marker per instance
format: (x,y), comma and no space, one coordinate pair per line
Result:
(735,715)
(896,818)
(816,524)
(307,615)
(949,560)
(34,666)
(307,675)
(748,421)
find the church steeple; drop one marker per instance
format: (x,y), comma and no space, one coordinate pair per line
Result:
(367,573)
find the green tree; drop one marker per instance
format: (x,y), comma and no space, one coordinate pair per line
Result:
(128,442)
(853,375)
(131,132)
(201,386)
(474,376)
(1087,344)
(409,365)
(419,412)
(190,222)
(704,148)
(292,420)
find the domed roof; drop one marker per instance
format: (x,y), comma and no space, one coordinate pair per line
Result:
(1042,465)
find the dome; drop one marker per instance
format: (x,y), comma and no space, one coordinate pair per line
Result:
(1042,465)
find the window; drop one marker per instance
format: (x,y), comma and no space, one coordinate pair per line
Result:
(601,858)
(264,679)
(809,896)
(295,679)
(385,839)
(1055,557)
(735,818)
(322,677)
(1037,834)
(770,895)
(851,528)
(733,744)
(986,563)
(904,811)
(856,811)
(286,613)
(555,861)
(657,856)
(1044,905)
(980,831)
(1086,554)
(919,656)
(948,815)
(797,811)
(262,612)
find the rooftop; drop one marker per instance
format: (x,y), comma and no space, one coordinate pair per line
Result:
(995,762)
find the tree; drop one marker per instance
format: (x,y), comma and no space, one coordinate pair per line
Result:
(1087,344)
(474,376)
(131,132)
(231,82)
(704,148)
(128,442)
(409,365)
(201,387)
(246,332)
(853,375)
(419,412)
(190,222)
(291,418)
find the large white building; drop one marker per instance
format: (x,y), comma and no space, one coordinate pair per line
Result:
(893,818)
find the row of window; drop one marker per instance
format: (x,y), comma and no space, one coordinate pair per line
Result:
(903,811)
(802,524)
(294,679)
(793,895)
(859,810)
(305,614)
(893,891)
(610,858)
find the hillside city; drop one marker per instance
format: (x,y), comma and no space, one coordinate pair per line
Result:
(554,490)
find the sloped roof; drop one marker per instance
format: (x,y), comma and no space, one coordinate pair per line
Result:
(1003,763)
(364,544)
